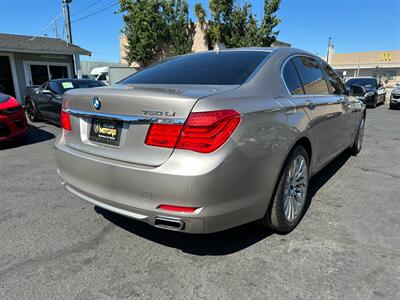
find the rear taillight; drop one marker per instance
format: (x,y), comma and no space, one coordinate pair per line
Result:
(163,135)
(203,132)
(65,120)
(207,131)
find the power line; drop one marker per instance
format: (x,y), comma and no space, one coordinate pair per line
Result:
(95,13)
(79,19)
(44,28)
(86,7)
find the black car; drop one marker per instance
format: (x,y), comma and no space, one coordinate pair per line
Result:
(373,91)
(44,101)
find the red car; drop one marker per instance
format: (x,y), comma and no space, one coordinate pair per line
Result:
(13,124)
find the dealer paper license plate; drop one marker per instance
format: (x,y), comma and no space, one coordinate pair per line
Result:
(105,131)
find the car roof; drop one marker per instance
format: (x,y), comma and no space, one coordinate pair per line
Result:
(283,52)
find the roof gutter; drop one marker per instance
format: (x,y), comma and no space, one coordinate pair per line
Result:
(82,52)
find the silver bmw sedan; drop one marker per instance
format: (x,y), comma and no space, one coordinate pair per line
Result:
(208,141)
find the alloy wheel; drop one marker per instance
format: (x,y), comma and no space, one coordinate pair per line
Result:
(295,189)
(30,111)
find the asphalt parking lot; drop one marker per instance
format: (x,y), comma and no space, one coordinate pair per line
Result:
(55,246)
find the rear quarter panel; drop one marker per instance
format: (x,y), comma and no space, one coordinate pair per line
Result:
(269,128)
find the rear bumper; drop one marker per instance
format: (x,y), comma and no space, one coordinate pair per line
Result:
(395,104)
(224,192)
(13,127)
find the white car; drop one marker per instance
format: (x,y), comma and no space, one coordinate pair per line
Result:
(395,97)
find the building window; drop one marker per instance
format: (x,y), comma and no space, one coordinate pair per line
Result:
(384,74)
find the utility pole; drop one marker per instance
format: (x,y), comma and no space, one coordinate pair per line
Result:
(327,52)
(68,20)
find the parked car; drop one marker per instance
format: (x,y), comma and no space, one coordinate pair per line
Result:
(395,98)
(374,92)
(44,101)
(13,124)
(207,141)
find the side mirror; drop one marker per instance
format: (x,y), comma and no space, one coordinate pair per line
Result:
(356,90)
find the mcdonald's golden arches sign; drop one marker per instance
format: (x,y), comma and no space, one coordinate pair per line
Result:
(386,56)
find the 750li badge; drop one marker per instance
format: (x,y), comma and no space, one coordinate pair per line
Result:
(157,113)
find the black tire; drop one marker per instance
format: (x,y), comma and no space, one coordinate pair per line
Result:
(31,110)
(357,145)
(373,105)
(275,218)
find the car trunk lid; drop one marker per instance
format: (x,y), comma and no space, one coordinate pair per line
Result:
(132,108)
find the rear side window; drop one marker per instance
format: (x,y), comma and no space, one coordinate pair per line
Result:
(292,79)
(335,83)
(213,68)
(311,75)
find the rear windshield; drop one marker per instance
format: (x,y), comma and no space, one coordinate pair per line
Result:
(367,82)
(223,68)
(79,84)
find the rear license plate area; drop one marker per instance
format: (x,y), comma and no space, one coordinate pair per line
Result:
(105,131)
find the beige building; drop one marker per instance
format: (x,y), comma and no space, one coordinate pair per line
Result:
(380,64)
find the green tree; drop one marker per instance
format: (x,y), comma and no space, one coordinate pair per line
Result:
(180,30)
(236,26)
(269,22)
(156,29)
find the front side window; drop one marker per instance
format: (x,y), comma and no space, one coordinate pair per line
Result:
(311,75)
(44,85)
(102,77)
(292,79)
(335,84)
(212,68)
(55,88)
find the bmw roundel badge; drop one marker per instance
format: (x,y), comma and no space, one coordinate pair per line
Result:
(96,103)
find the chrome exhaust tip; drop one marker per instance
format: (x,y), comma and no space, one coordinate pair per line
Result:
(169,223)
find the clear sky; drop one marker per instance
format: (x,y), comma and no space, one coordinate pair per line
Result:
(354,25)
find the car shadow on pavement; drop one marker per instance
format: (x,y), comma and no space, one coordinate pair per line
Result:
(323,176)
(220,243)
(35,135)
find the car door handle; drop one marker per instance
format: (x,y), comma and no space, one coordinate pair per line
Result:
(310,104)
